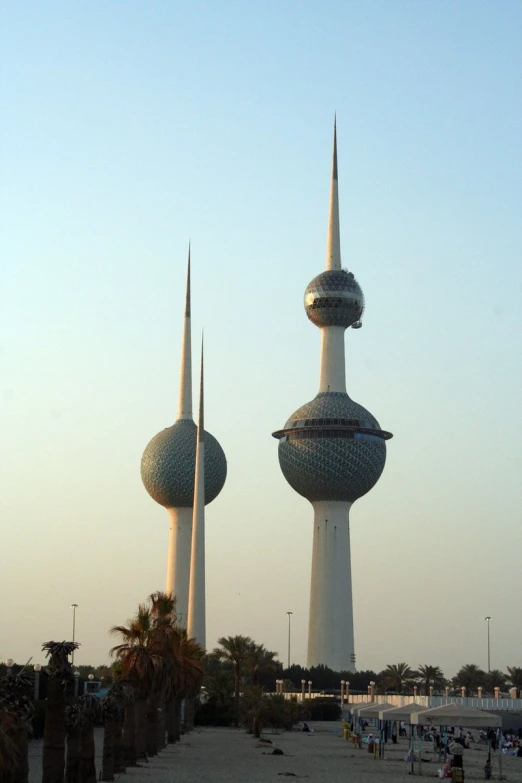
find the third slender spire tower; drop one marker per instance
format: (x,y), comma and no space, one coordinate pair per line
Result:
(168,473)
(332,451)
(196,626)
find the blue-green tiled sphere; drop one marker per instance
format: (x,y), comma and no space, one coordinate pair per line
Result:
(169,462)
(334,298)
(323,466)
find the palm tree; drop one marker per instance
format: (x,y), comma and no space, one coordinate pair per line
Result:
(220,691)
(260,660)
(111,708)
(16,707)
(190,673)
(140,666)
(9,752)
(128,738)
(163,611)
(73,719)
(60,674)
(431,677)
(236,650)
(469,676)
(515,677)
(495,679)
(398,677)
(118,691)
(89,707)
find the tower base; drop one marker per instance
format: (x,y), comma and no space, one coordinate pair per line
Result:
(330,631)
(178,564)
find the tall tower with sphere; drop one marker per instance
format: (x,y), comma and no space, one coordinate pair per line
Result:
(168,472)
(332,451)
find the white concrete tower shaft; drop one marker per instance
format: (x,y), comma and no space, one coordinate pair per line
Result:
(333,375)
(196,626)
(330,631)
(180,533)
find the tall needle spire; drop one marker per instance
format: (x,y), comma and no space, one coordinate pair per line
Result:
(185,384)
(333,243)
(196,605)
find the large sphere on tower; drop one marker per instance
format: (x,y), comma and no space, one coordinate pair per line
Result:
(168,465)
(334,298)
(332,449)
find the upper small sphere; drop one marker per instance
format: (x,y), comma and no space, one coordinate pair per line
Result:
(169,462)
(334,298)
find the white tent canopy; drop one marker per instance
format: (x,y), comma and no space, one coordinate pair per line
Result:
(373,710)
(400,713)
(355,709)
(456,714)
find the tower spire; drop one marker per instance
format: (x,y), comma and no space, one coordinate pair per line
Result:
(185,383)
(333,243)
(196,605)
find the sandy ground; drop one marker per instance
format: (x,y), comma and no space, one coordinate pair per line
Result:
(228,756)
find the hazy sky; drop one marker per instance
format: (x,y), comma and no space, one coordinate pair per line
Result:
(129,127)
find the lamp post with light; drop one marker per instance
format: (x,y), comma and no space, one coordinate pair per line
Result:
(9,663)
(74,607)
(76,682)
(487,619)
(37,668)
(289,631)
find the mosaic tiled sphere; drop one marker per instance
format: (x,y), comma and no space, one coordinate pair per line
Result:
(169,461)
(327,450)
(334,298)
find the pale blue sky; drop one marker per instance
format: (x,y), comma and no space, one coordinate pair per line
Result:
(130,127)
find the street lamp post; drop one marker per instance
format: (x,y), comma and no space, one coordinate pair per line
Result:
(76,683)
(37,669)
(303,683)
(487,619)
(309,689)
(9,663)
(74,607)
(289,627)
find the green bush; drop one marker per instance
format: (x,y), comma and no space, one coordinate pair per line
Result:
(214,714)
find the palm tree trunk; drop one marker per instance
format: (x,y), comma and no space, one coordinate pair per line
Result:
(188,722)
(53,760)
(109,749)
(119,761)
(87,751)
(129,735)
(177,719)
(22,768)
(236,694)
(72,763)
(152,724)
(162,720)
(140,723)
(171,720)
